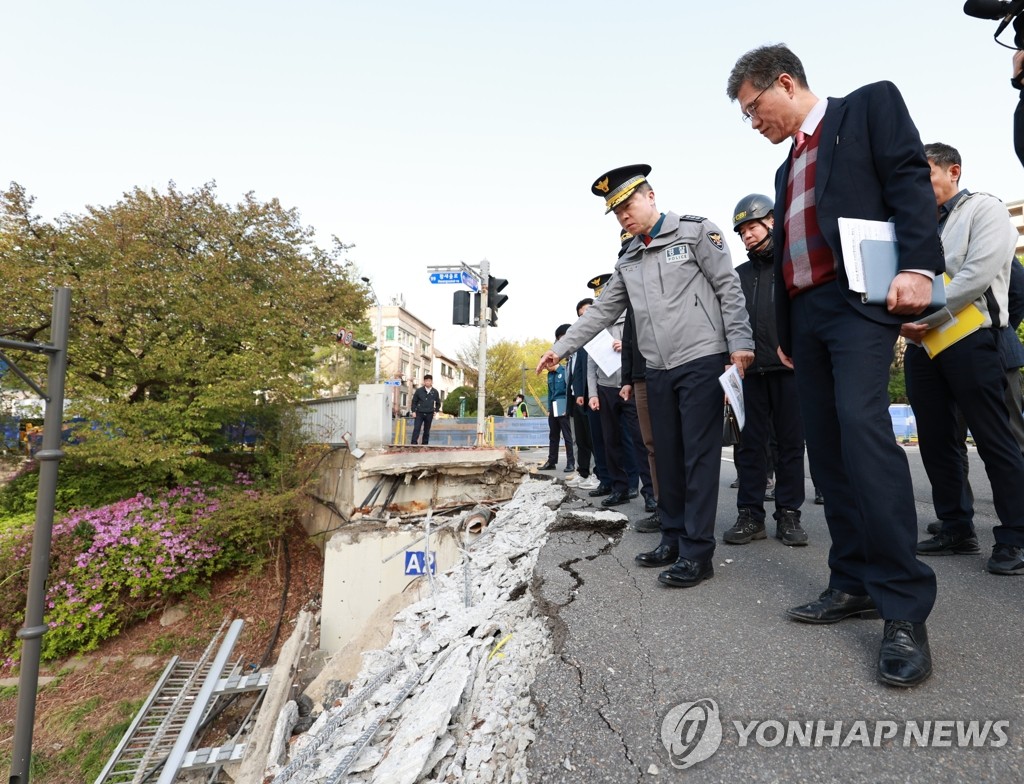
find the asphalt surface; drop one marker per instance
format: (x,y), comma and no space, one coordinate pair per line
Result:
(629,650)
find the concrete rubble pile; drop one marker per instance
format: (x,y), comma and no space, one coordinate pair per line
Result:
(466,655)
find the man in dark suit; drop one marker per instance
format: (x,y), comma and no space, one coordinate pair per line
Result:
(854,157)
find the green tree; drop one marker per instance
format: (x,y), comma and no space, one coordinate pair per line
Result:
(188,314)
(508,365)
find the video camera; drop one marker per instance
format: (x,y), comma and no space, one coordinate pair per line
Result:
(1005,10)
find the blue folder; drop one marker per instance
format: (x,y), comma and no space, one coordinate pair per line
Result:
(880,258)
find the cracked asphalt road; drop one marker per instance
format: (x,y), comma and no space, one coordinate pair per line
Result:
(629,649)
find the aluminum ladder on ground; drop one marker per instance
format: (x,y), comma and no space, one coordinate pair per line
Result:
(167,722)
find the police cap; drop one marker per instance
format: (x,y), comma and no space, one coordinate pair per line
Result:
(618,185)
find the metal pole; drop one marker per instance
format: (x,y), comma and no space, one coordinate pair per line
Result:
(49,457)
(481,392)
(380,339)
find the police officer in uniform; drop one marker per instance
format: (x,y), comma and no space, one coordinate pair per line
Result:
(691,323)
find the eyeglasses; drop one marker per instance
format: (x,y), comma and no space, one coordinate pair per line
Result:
(751,111)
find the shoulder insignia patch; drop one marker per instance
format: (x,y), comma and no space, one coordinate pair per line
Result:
(716,239)
(694,218)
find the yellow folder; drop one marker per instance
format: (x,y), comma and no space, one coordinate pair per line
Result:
(957,328)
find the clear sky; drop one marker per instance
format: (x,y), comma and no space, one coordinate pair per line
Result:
(433,133)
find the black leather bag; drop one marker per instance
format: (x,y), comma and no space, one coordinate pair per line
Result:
(730,427)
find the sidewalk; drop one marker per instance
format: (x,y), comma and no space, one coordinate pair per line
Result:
(629,650)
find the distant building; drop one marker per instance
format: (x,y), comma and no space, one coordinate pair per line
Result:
(1016,210)
(408,353)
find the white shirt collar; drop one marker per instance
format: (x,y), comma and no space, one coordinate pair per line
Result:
(814,117)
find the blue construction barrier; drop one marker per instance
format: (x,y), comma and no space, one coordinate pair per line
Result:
(904,423)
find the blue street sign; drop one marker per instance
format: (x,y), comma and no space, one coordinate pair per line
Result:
(470,281)
(417,562)
(446,277)
(393,383)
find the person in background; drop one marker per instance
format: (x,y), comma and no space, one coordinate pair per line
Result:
(425,403)
(969,375)
(518,408)
(587,422)
(558,414)
(769,395)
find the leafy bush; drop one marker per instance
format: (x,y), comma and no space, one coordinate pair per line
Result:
(81,484)
(117,563)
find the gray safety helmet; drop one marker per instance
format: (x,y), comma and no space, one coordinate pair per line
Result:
(755,206)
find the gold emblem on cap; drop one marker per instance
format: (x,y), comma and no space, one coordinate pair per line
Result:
(602,185)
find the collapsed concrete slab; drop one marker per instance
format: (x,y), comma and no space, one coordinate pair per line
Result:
(448,698)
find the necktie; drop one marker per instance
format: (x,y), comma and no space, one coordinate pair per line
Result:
(801,143)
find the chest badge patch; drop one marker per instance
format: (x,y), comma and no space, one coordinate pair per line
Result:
(716,239)
(677,253)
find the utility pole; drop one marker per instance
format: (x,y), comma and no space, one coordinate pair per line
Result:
(49,456)
(485,316)
(378,338)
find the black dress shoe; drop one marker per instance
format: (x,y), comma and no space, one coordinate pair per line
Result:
(599,491)
(686,573)
(904,658)
(833,606)
(819,499)
(949,544)
(650,504)
(634,493)
(568,469)
(546,467)
(615,499)
(662,555)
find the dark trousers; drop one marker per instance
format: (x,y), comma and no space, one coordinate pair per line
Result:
(643,416)
(685,404)
(597,443)
(422,421)
(842,364)
(581,436)
(968,375)
(618,421)
(559,426)
(770,399)
(1013,399)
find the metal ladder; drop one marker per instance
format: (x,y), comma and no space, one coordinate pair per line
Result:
(182,698)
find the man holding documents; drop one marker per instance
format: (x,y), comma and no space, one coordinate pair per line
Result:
(853,157)
(953,361)
(690,323)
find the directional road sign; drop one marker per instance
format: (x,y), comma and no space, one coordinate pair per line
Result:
(393,383)
(446,277)
(470,281)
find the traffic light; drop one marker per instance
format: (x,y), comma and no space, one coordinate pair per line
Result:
(460,308)
(495,299)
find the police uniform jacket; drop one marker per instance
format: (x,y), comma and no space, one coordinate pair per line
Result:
(686,297)
(757,278)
